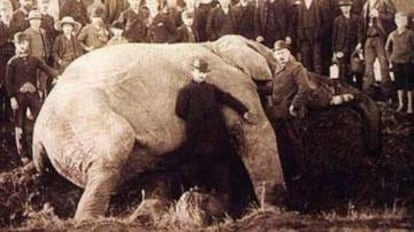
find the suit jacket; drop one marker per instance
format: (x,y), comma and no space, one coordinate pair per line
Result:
(291,86)
(6,39)
(162,29)
(297,23)
(47,42)
(183,34)
(48,23)
(281,14)
(135,29)
(245,16)
(113,9)
(75,9)
(347,33)
(201,15)
(215,23)
(19,19)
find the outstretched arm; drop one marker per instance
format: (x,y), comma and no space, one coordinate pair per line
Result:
(227,99)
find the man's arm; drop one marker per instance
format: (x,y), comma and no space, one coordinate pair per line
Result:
(227,99)
(50,72)
(388,45)
(301,79)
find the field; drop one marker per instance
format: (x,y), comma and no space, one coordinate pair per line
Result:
(346,189)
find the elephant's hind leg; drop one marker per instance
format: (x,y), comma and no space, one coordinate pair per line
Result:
(101,184)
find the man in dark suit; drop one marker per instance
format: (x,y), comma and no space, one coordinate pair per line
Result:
(221,21)
(309,27)
(7,30)
(19,17)
(244,11)
(201,16)
(347,38)
(289,94)
(271,21)
(161,28)
(187,33)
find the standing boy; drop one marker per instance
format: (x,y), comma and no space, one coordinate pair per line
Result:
(347,39)
(400,52)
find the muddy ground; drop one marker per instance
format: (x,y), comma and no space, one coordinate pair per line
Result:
(345,189)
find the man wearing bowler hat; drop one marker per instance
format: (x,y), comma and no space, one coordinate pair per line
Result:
(199,105)
(289,93)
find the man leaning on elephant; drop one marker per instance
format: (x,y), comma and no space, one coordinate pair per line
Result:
(292,93)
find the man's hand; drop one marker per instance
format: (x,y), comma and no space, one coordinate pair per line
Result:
(288,40)
(259,38)
(250,118)
(292,111)
(339,54)
(14,104)
(358,47)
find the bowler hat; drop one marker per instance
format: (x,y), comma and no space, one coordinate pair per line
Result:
(201,64)
(280,44)
(345,3)
(20,37)
(34,14)
(67,20)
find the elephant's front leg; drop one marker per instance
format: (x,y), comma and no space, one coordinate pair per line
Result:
(100,186)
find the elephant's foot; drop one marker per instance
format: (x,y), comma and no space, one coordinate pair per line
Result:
(100,185)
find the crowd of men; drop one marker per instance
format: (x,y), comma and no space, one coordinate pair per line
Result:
(319,33)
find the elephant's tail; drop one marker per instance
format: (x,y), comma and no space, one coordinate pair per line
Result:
(40,158)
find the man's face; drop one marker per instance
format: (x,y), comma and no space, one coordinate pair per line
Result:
(27,4)
(67,28)
(153,5)
(199,76)
(22,47)
(345,9)
(224,3)
(35,23)
(401,21)
(6,13)
(134,4)
(282,56)
(43,6)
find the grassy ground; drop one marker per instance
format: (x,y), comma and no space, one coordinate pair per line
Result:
(380,196)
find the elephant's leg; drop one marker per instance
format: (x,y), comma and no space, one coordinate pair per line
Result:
(101,184)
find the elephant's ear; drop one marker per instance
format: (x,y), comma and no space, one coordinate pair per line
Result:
(236,51)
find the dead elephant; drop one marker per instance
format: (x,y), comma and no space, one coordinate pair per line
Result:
(111,116)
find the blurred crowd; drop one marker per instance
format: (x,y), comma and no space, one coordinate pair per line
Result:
(341,38)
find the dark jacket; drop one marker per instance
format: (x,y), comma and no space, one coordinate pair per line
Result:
(66,50)
(219,24)
(113,9)
(299,20)
(245,20)
(162,29)
(19,19)
(23,69)
(183,35)
(135,29)
(201,14)
(282,10)
(347,33)
(77,10)
(6,39)
(45,50)
(291,86)
(48,23)
(200,105)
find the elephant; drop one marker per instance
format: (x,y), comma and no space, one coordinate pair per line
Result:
(110,118)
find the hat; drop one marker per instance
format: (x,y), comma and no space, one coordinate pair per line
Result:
(201,64)
(34,14)
(280,44)
(20,37)
(98,12)
(188,14)
(67,20)
(345,3)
